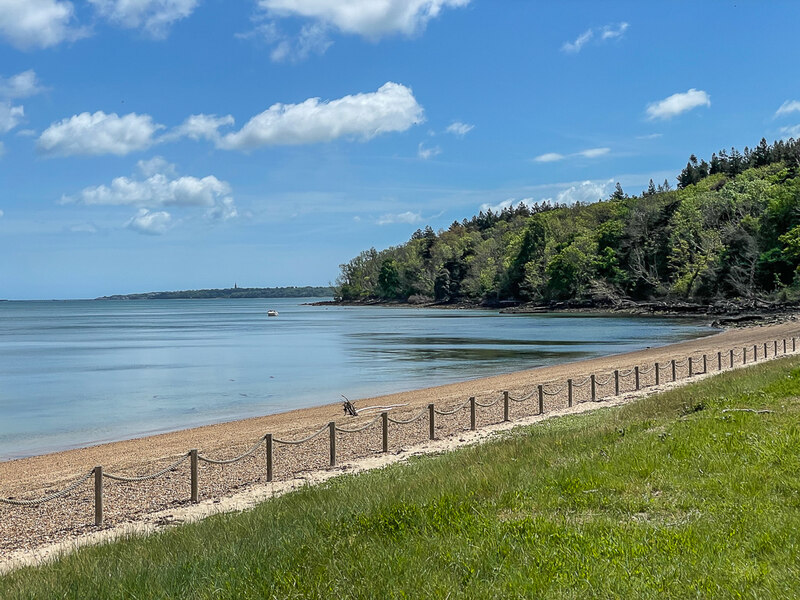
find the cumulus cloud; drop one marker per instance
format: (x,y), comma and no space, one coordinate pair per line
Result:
(153,16)
(361,116)
(588,153)
(223,211)
(788,107)
(601,34)
(366,18)
(98,133)
(586,191)
(677,104)
(426,153)
(407,217)
(10,116)
(150,223)
(459,128)
(27,24)
(21,85)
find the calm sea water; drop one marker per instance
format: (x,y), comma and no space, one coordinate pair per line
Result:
(75,373)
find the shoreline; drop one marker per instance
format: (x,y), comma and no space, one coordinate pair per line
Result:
(27,528)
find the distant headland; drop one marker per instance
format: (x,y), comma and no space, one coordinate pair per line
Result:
(234,292)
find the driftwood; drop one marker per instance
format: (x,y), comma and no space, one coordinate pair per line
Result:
(751,410)
(349,409)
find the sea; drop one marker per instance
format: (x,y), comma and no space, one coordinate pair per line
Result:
(83,372)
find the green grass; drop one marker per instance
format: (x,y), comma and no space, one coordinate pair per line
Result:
(669,497)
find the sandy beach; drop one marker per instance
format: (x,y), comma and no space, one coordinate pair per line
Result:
(28,528)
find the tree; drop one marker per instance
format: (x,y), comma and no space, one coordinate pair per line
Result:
(618,194)
(651,188)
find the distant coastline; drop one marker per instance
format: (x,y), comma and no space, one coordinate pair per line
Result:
(234,292)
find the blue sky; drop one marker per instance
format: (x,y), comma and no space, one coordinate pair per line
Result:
(176,144)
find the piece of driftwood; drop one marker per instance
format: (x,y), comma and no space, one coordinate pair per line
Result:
(750,410)
(349,409)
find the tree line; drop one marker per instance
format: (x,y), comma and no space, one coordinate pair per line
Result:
(730,230)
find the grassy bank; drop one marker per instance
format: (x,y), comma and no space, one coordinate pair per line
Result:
(676,495)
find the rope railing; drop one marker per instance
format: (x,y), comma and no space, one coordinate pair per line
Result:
(301,441)
(60,494)
(550,388)
(230,461)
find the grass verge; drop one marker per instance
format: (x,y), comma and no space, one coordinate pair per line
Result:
(682,494)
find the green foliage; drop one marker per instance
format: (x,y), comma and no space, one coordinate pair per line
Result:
(731,230)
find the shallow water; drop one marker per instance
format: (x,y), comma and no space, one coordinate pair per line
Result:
(74,373)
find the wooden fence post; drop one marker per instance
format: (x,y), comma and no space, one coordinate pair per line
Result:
(719,361)
(431,421)
(98,496)
(505,406)
(385,428)
(594,394)
(569,392)
(332,428)
(731,358)
(268,439)
(541,400)
(691,370)
(784,345)
(793,347)
(673,369)
(616,382)
(656,366)
(755,352)
(744,355)
(636,377)
(194,475)
(472,413)
(775,348)
(705,364)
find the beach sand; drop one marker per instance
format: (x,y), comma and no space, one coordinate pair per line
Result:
(41,530)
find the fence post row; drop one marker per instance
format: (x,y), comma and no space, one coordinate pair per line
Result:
(98,496)
(194,474)
(332,428)
(385,423)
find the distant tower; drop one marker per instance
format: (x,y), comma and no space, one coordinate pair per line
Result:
(236,287)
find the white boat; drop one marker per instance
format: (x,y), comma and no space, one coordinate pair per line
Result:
(272,313)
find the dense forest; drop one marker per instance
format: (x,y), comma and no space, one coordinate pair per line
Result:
(234,292)
(730,231)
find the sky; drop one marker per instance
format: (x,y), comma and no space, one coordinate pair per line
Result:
(151,145)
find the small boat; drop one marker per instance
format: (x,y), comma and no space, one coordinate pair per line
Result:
(272,313)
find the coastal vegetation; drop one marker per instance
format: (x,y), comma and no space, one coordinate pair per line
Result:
(234,292)
(689,493)
(729,232)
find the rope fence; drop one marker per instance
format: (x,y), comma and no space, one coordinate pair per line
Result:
(552,390)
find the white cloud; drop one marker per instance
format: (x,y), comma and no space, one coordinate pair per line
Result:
(792,131)
(200,127)
(588,153)
(788,107)
(601,34)
(649,136)
(1,214)
(153,16)
(610,32)
(223,211)
(459,128)
(407,217)
(21,85)
(580,42)
(312,39)
(508,203)
(594,152)
(362,116)
(98,133)
(586,191)
(549,157)
(150,223)
(426,153)
(369,18)
(677,103)
(10,116)
(27,24)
